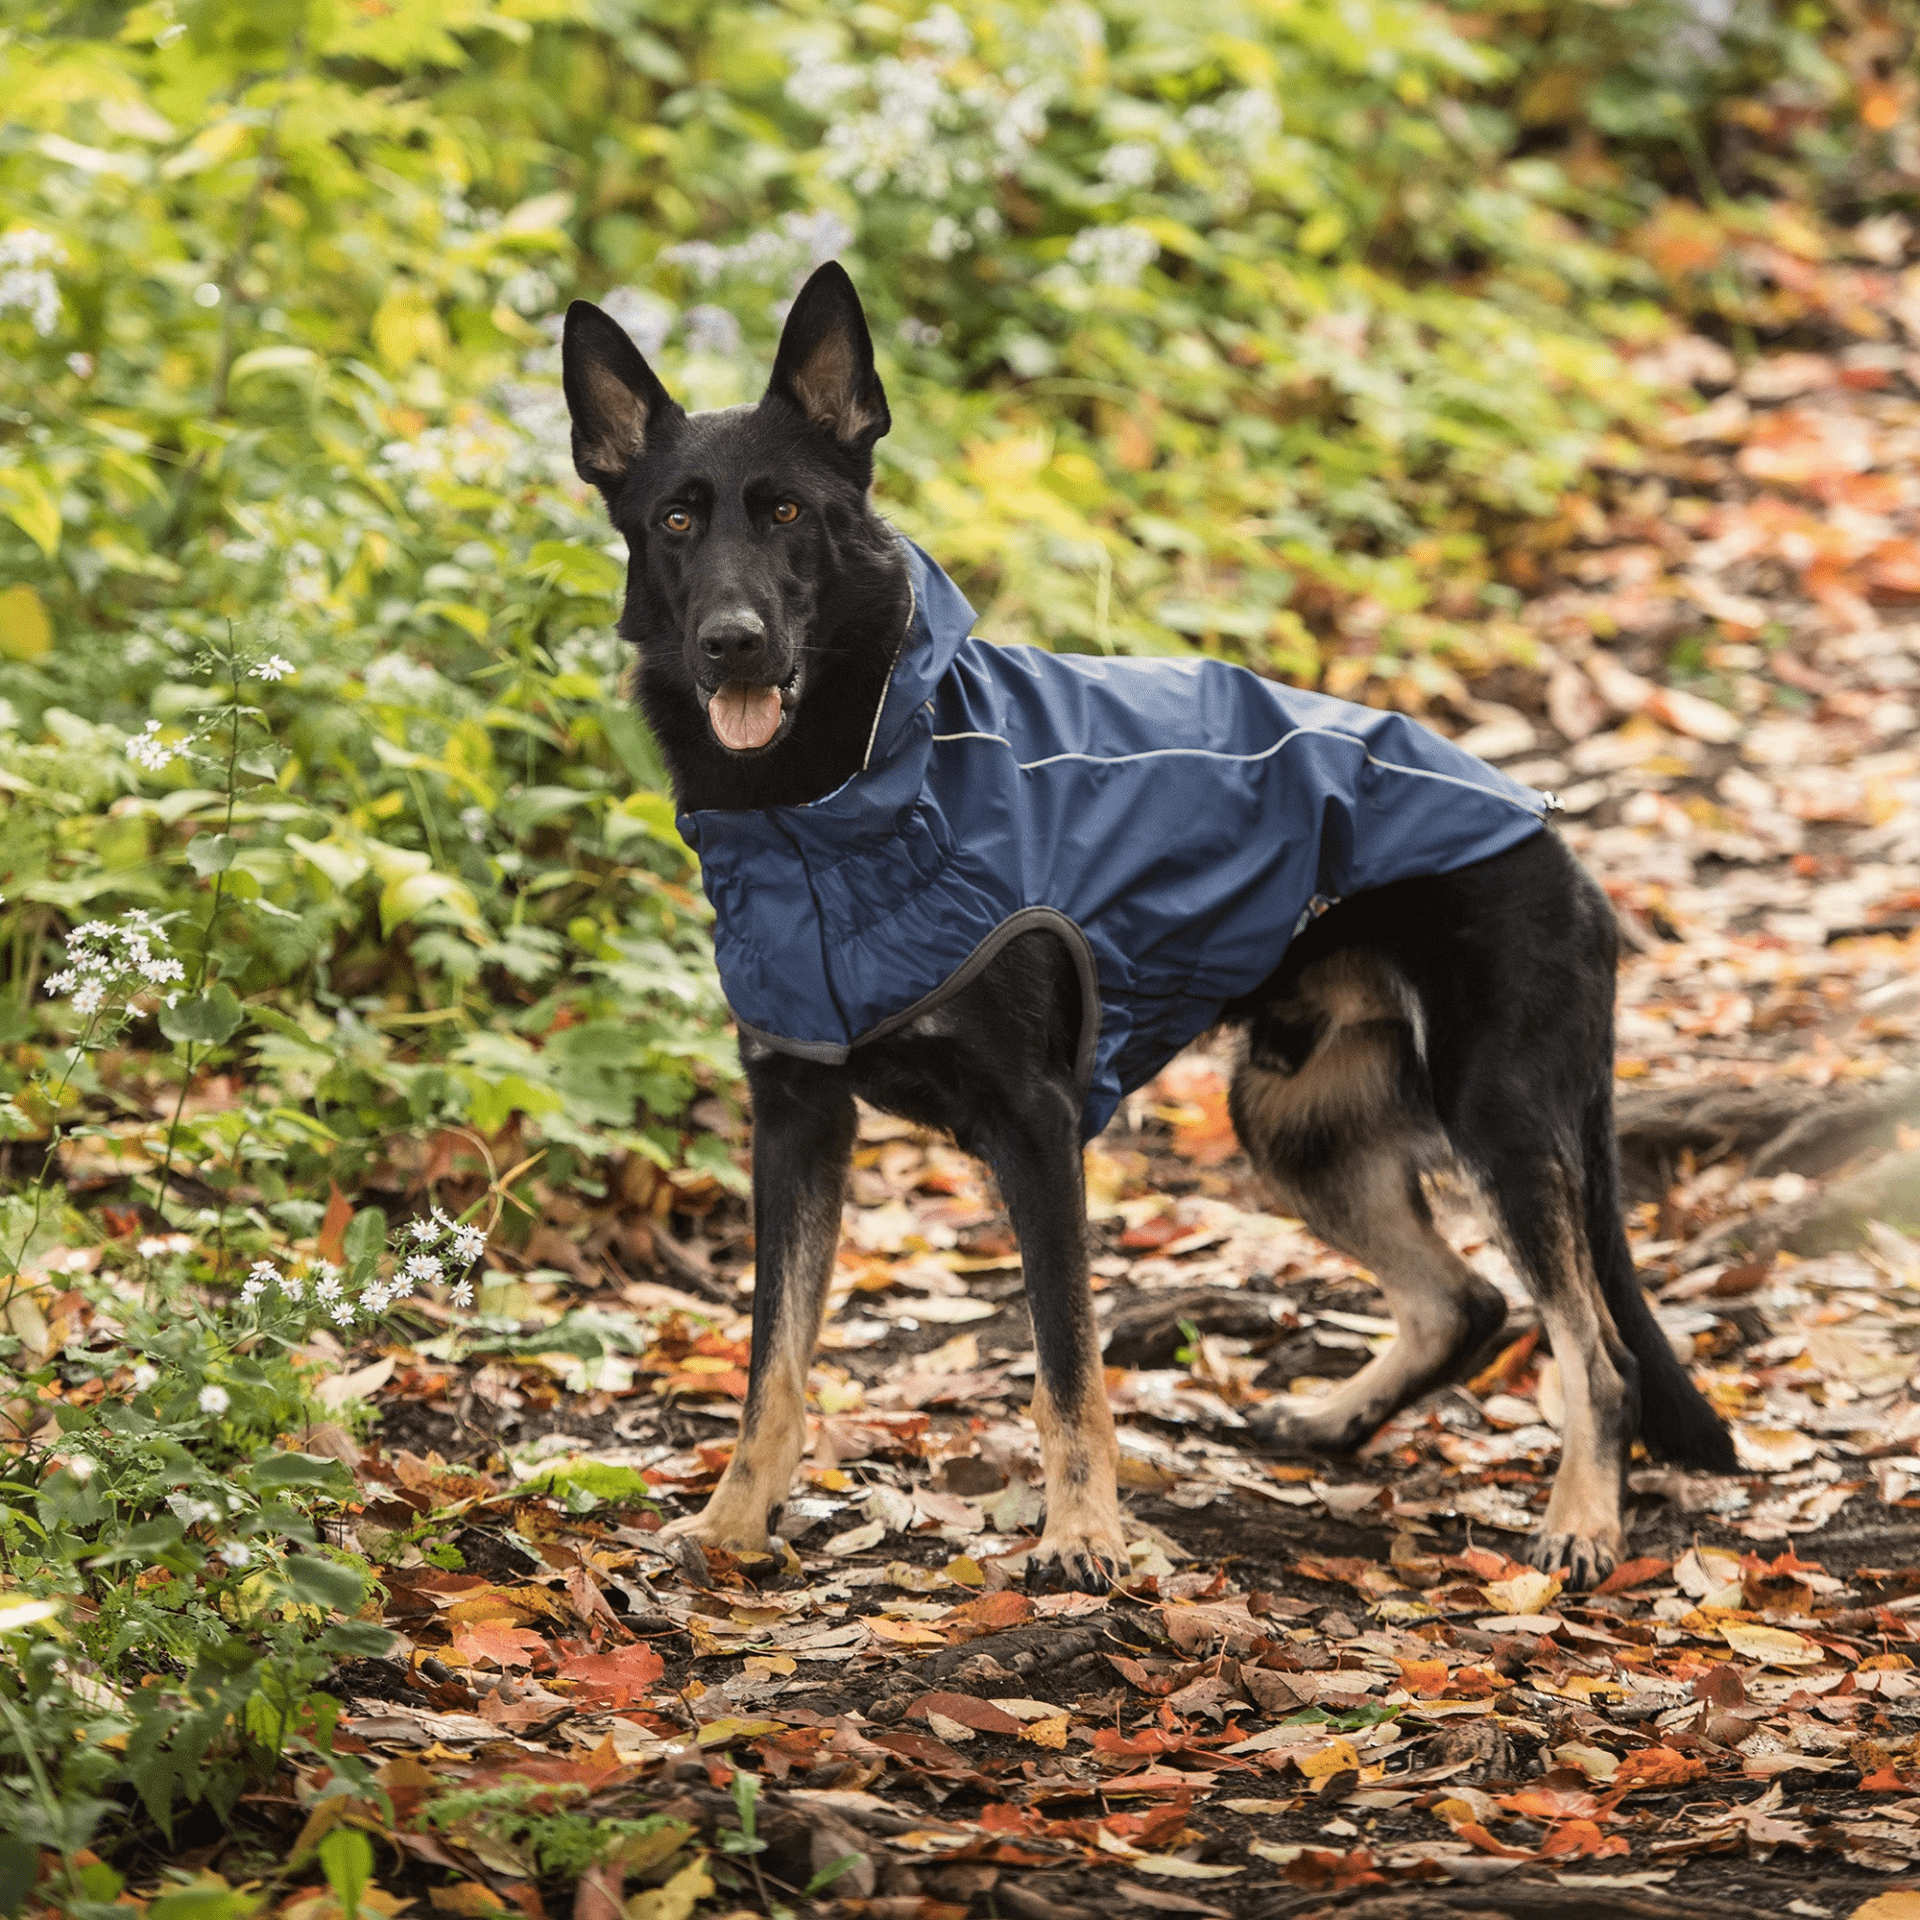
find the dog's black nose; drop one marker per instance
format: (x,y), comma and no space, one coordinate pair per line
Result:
(732,637)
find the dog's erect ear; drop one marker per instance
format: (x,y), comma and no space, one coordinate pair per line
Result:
(615,398)
(825,363)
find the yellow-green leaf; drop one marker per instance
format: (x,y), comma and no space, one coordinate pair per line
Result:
(677,1899)
(30,505)
(25,631)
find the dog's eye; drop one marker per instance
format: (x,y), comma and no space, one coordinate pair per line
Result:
(786,512)
(677,520)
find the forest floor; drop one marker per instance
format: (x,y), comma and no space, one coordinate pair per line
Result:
(1326,1689)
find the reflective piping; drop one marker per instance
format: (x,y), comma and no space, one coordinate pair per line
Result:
(899,654)
(1266,753)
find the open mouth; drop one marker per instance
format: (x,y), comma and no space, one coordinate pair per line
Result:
(745,718)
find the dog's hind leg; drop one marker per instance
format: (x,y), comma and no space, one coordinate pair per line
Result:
(1538,1199)
(803,1128)
(1332,1105)
(1033,1148)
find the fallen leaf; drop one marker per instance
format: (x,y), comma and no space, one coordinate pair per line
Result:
(1172,1867)
(971,1714)
(856,1540)
(616,1679)
(1657,1767)
(677,1899)
(499,1644)
(1771,1646)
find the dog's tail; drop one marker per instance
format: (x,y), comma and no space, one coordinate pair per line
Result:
(1675,1420)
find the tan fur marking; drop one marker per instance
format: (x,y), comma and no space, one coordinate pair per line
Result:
(623,418)
(1080,1456)
(1361,1203)
(824,386)
(1582,1522)
(1430,1291)
(1348,1083)
(773,1434)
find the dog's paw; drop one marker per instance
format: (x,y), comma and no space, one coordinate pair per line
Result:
(1585,1559)
(736,1533)
(1283,1434)
(1077,1563)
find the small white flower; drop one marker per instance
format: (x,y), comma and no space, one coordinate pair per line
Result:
(343,1312)
(327,1291)
(377,1299)
(252,1291)
(83,1466)
(422,1270)
(264,1270)
(89,997)
(469,1243)
(27,284)
(274,667)
(148,750)
(463,1294)
(292,1286)
(236,1553)
(423,1231)
(215,1400)
(144,1377)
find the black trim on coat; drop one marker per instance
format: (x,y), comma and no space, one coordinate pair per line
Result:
(1027,920)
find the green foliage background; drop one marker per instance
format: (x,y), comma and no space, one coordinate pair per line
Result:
(1268,326)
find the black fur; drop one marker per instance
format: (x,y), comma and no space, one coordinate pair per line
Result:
(830,590)
(1510,962)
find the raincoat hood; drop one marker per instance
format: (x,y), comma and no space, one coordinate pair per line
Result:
(1174,822)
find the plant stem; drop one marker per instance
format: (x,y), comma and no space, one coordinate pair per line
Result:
(206,933)
(54,1098)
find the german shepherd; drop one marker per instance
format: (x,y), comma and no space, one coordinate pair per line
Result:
(1459,1021)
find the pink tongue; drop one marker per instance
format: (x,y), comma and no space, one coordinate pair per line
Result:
(744,717)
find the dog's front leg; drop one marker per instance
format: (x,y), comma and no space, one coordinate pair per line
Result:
(1035,1154)
(803,1128)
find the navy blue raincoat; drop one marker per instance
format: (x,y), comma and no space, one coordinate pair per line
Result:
(1176,822)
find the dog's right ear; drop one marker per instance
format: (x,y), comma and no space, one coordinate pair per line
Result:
(615,398)
(824,367)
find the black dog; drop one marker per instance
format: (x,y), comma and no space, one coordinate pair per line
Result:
(1462,1020)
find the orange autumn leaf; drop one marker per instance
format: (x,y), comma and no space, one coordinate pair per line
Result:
(1550,1803)
(333,1228)
(499,1643)
(1204,1134)
(1475,1835)
(1632,1573)
(1657,1767)
(1583,1839)
(991,1613)
(1423,1676)
(616,1679)
(1880,105)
